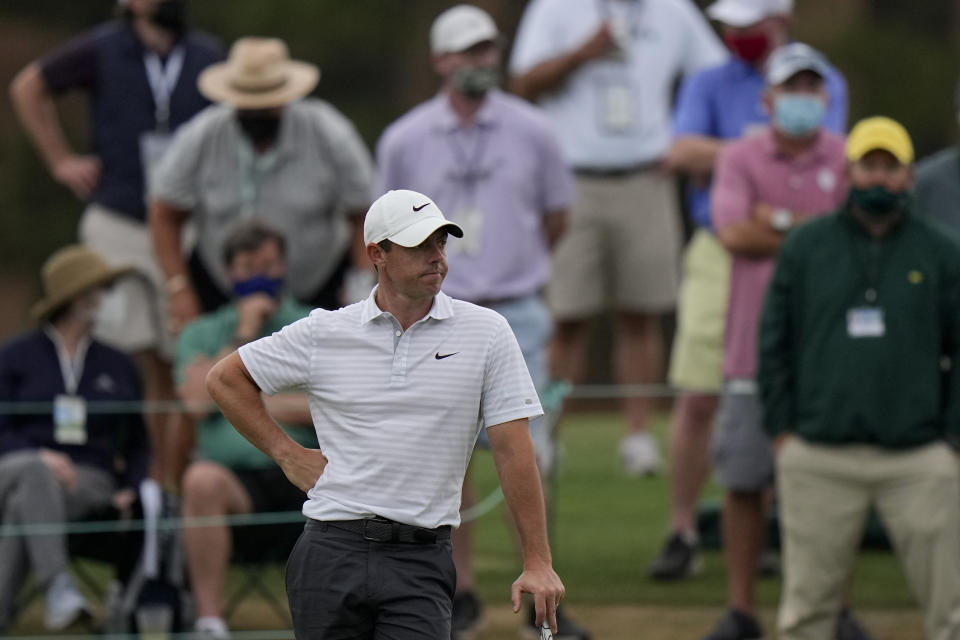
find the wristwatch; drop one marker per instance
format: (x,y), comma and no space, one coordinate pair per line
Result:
(781,219)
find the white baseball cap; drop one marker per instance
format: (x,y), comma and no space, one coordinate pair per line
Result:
(790,59)
(743,13)
(460,27)
(406,218)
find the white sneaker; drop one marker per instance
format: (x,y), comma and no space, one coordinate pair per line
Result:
(65,604)
(211,628)
(639,454)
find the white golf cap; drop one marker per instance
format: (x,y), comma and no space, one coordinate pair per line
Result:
(460,27)
(743,13)
(406,218)
(790,59)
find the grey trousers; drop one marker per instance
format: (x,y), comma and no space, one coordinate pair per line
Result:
(30,494)
(342,587)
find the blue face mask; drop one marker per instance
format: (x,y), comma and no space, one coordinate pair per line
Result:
(798,115)
(258,284)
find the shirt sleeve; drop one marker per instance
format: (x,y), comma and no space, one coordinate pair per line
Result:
(731,195)
(73,65)
(281,361)
(351,158)
(702,47)
(693,115)
(508,391)
(177,176)
(775,344)
(835,119)
(535,42)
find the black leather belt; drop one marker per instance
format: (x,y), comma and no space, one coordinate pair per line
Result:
(379,529)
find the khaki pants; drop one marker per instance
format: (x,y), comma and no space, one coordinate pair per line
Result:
(825,495)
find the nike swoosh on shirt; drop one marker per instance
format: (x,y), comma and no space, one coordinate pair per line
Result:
(446,355)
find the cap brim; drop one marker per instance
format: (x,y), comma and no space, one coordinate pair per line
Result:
(734,14)
(302,78)
(877,143)
(780,76)
(469,39)
(420,230)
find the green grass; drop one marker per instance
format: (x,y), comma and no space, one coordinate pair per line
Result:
(608,527)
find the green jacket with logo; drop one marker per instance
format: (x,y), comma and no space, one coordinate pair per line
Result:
(890,390)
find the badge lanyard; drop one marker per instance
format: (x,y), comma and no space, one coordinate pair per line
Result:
(69,409)
(469,161)
(70,368)
(469,171)
(163,80)
(871,267)
(616,92)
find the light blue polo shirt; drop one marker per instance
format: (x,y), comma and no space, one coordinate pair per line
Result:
(726,102)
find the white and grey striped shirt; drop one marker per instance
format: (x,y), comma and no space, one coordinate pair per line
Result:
(397,412)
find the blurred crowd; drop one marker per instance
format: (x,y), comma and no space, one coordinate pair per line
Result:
(816,288)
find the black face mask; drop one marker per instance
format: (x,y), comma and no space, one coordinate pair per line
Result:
(878,202)
(170,15)
(259,129)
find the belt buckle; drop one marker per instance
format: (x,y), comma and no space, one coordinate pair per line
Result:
(365,535)
(393,535)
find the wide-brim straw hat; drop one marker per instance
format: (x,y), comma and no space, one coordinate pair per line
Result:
(70,272)
(258,74)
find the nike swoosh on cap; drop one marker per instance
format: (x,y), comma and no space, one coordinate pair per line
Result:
(421,206)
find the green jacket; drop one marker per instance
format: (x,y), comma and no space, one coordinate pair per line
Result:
(818,381)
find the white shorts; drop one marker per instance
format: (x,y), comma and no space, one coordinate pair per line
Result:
(133,316)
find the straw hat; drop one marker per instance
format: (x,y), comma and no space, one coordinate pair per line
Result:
(258,74)
(68,273)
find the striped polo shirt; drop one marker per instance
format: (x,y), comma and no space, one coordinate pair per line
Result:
(397,412)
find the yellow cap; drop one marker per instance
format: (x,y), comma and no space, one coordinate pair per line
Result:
(879,133)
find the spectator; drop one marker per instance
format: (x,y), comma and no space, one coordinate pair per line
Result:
(139,74)
(230,475)
(937,187)
(60,465)
(714,107)
(262,152)
(863,308)
(589,66)
(765,185)
(493,162)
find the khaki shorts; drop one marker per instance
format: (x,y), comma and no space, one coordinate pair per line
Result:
(133,316)
(622,248)
(696,363)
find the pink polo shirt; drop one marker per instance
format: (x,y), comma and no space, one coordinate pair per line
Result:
(752,171)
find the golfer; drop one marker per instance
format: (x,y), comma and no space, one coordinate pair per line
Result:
(399,386)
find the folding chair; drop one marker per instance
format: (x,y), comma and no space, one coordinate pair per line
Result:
(256,547)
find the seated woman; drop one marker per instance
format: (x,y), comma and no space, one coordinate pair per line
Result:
(65,459)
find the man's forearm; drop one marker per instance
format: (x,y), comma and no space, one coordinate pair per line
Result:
(38,115)
(513,454)
(231,387)
(546,75)
(750,238)
(165,225)
(694,155)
